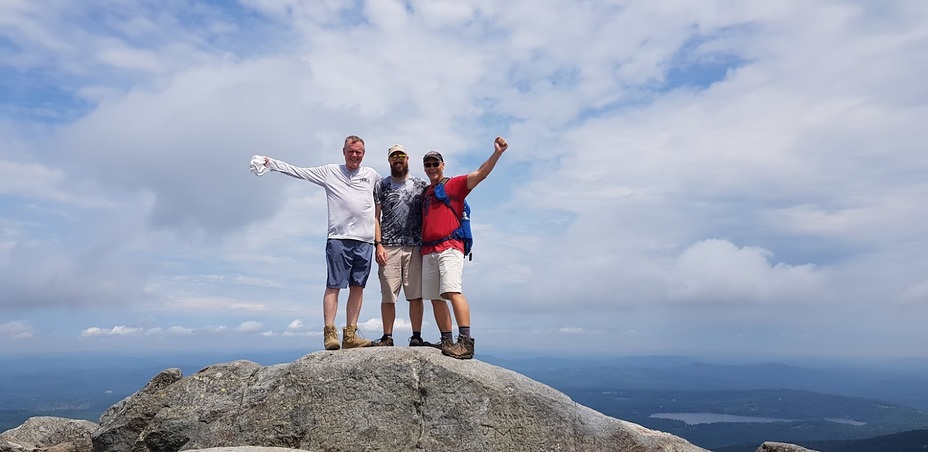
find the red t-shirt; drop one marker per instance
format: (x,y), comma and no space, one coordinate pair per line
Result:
(438,221)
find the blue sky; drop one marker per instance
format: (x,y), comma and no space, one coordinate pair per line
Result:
(711,178)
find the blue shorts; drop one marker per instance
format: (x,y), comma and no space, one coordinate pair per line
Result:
(348,263)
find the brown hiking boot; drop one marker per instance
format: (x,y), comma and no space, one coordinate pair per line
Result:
(350,338)
(385,341)
(442,343)
(463,349)
(330,337)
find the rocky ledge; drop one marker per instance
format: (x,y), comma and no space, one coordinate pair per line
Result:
(374,399)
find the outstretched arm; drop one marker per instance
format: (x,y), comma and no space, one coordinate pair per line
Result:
(474,178)
(314,174)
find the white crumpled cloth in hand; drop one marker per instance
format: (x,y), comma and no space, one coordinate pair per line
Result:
(258,168)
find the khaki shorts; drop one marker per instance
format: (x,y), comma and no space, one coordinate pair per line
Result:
(403,270)
(442,273)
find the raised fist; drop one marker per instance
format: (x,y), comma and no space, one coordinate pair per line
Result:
(500,144)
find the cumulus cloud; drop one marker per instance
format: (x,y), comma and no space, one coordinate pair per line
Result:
(696,158)
(114,331)
(177,330)
(41,274)
(31,180)
(300,333)
(170,331)
(249,326)
(718,271)
(375,325)
(17,330)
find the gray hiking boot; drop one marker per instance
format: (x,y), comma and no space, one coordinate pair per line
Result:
(419,342)
(463,349)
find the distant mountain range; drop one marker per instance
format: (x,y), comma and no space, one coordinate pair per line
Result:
(827,400)
(901,381)
(912,441)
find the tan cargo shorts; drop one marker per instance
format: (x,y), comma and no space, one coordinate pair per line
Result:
(402,271)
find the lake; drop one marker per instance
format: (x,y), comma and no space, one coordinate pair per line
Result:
(708,418)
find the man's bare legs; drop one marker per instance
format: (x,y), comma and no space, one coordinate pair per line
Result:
(464,347)
(330,305)
(388,314)
(350,339)
(352,312)
(416,311)
(461,308)
(443,315)
(329,308)
(353,307)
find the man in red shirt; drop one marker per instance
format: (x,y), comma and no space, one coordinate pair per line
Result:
(443,256)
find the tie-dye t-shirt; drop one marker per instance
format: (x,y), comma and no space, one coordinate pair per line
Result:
(400,211)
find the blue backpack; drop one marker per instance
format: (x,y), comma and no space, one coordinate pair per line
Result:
(463,232)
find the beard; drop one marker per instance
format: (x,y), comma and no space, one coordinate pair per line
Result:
(399,171)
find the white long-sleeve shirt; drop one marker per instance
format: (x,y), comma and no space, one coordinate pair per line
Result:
(349,196)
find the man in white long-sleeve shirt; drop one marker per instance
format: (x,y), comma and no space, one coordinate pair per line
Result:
(349,190)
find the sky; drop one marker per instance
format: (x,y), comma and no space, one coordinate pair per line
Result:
(716,178)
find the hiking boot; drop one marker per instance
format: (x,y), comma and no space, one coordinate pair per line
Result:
(419,342)
(385,341)
(463,349)
(330,337)
(442,343)
(350,338)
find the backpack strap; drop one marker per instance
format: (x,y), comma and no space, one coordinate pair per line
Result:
(443,197)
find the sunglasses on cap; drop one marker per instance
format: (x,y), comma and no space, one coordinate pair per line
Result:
(397,156)
(432,164)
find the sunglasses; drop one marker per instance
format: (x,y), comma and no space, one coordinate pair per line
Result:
(432,164)
(398,157)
